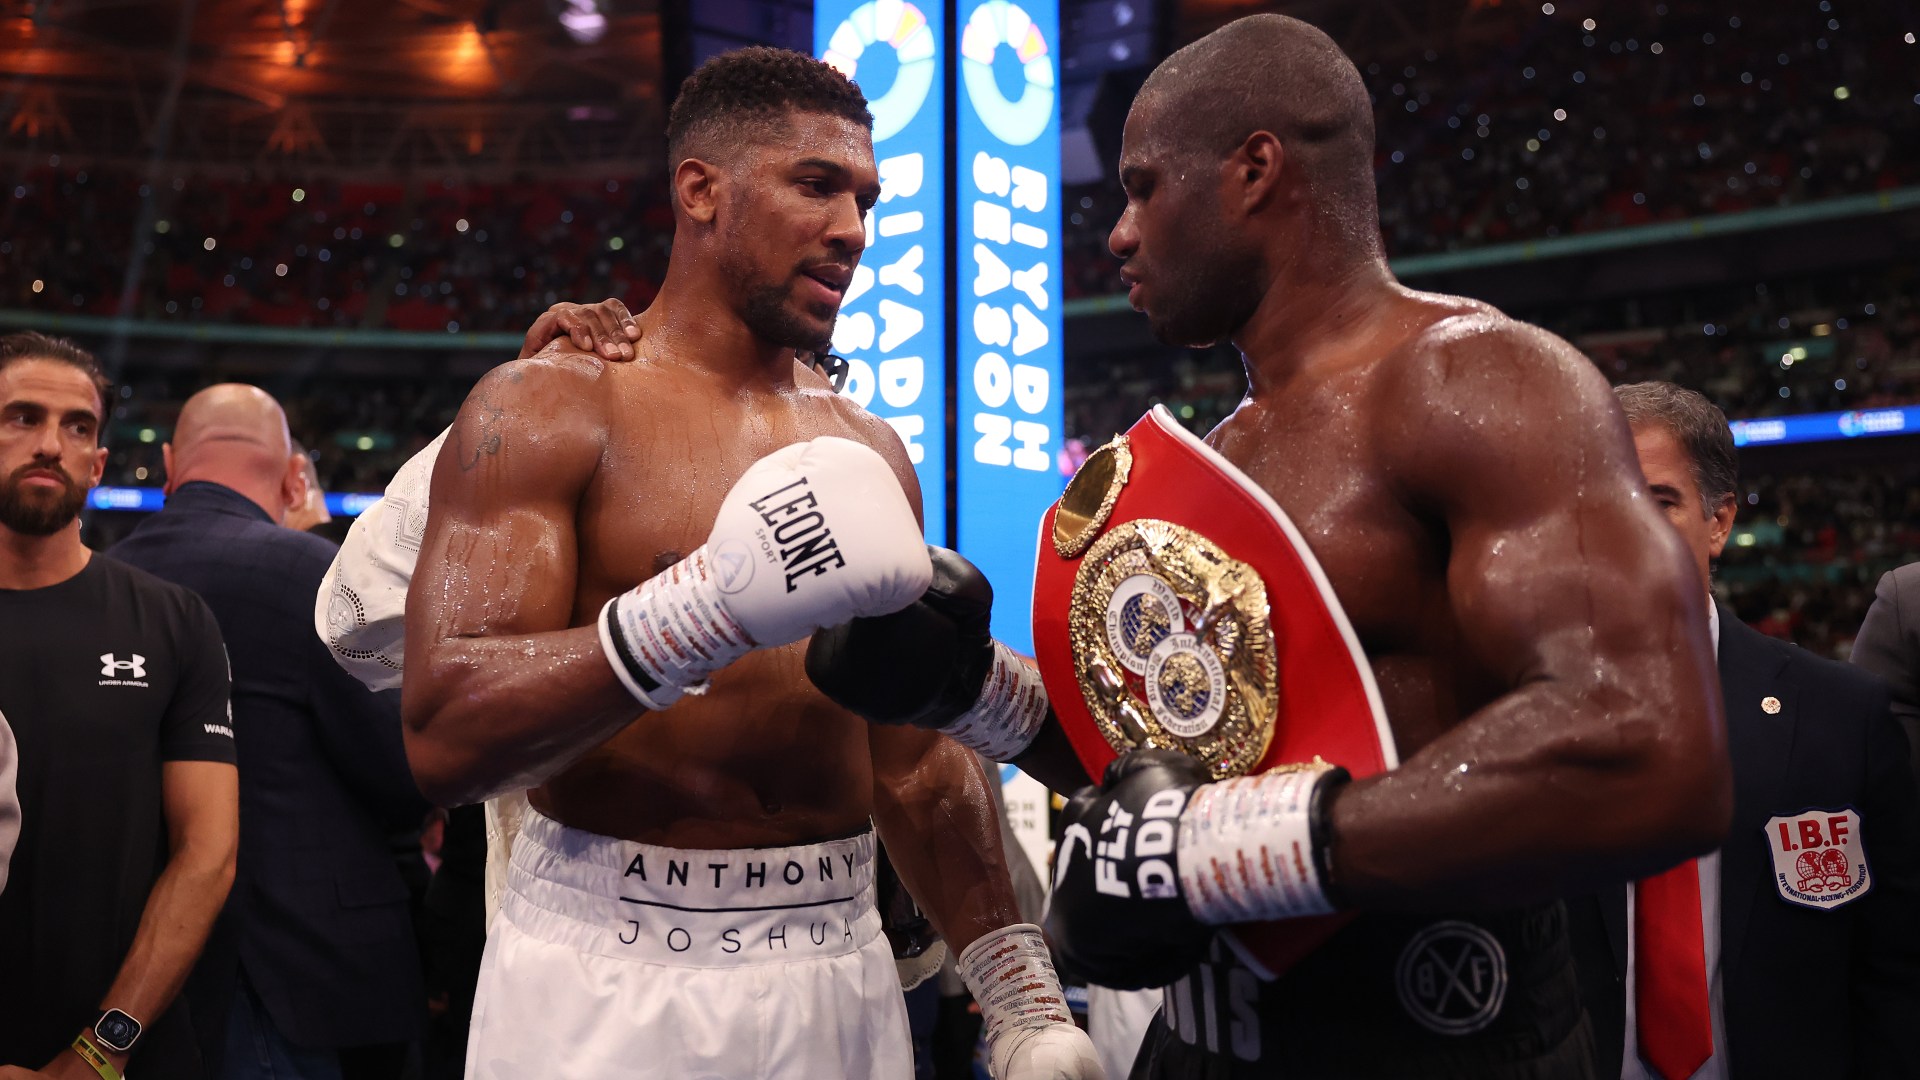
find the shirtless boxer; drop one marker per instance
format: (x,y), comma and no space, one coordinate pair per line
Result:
(1470,489)
(692,895)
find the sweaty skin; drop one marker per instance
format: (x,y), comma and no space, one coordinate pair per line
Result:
(568,478)
(1466,481)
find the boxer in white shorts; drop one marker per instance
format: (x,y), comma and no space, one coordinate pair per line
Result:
(639,934)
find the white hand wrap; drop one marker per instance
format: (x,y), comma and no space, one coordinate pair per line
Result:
(672,631)
(1247,849)
(1030,1032)
(1011,708)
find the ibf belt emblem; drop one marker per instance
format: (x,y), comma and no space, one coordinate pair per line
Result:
(1176,606)
(1452,978)
(1162,617)
(1819,859)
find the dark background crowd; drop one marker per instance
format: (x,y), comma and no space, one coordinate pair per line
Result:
(1518,129)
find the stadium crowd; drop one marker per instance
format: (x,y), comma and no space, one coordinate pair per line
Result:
(1810,544)
(358,432)
(1536,128)
(428,257)
(1641,113)
(1806,345)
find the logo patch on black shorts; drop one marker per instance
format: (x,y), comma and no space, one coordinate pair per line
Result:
(1452,978)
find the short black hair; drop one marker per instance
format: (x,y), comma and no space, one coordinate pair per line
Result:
(744,93)
(34,345)
(1697,425)
(1274,73)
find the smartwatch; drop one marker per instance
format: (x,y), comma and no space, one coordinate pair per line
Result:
(116,1031)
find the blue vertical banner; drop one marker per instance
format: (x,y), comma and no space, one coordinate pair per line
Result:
(1009,415)
(892,325)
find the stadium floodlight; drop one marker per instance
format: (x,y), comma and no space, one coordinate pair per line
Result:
(583,20)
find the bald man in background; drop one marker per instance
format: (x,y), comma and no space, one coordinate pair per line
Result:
(316,973)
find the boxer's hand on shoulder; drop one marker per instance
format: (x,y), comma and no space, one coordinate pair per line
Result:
(934,664)
(606,329)
(1117,914)
(923,665)
(813,534)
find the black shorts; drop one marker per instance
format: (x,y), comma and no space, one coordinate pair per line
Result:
(1483,997)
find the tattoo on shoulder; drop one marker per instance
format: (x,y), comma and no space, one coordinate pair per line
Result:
(487,423)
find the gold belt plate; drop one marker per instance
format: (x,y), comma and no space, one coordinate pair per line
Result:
(1173,646)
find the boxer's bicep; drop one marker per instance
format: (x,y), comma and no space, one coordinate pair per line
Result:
(498,689)
(499,555)
(1559,567)
(1574,592)
(1563,572)
(1600,756)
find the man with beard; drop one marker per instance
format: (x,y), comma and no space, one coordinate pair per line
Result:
(1536,632)
(115,685)
(692,892)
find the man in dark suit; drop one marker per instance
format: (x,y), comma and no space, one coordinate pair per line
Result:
(1802,953)
(1889,646)
(323,967)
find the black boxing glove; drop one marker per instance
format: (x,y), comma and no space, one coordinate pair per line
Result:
(1116,914)
(1159,854)
(934,664)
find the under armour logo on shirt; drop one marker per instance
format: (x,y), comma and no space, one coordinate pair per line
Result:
(135,668)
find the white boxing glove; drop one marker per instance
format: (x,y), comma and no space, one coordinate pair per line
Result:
(812,535)
(1054,1052)
(1030,1033)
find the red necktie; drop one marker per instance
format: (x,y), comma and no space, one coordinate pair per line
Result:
(1670,973)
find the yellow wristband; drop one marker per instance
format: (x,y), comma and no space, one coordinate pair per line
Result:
(91,1054)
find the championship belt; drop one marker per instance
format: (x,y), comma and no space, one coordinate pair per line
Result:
(1175,606)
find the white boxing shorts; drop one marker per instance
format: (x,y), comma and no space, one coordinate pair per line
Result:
(615,959)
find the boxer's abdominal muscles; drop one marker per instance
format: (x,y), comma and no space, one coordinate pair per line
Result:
(760,760)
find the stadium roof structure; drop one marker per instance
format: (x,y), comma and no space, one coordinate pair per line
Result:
(355,86)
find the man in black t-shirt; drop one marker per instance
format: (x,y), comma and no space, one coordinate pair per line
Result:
(115,685)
